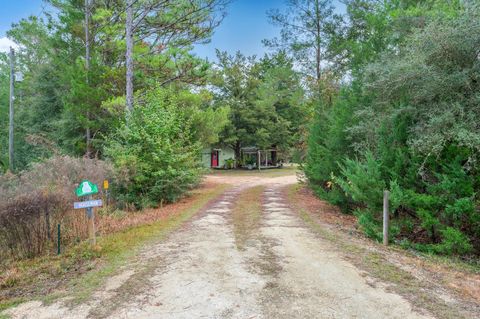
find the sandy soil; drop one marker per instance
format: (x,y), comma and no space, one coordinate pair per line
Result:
(284,271)
(252,180)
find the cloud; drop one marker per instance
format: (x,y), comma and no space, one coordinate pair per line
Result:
(6,43)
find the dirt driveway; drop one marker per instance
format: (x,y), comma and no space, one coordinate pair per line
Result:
(246,255)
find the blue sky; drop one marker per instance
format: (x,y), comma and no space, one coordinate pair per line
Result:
(14,10)
(243,29)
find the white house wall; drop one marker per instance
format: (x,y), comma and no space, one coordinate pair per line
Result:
(224,154)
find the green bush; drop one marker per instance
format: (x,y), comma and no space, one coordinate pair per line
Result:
(328,141)
(462,210)
(334,195)
(229,163)
(363,182)
(155,152)
(429,222)
(454,242)
(369,225)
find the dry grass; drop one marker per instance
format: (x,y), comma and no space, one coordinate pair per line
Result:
(81,269)
(246,215)
(330,214)
(35,201)
(9,278)
(445,289)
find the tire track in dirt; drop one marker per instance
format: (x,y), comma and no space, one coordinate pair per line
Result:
(314,281)
(269,265)
(203,274)
(121,289)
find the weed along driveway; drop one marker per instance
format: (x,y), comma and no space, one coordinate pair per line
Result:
(248,253)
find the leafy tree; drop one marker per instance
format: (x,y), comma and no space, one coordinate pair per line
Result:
(57,102)
(372,28)
(288,100)
(405,122)
(328,143)
(265,99)
(307,27)
(156,154)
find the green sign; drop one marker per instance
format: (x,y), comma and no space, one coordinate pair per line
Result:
(86,188)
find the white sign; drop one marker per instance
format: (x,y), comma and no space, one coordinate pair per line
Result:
(87,204)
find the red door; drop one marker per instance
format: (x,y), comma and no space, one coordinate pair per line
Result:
(214,158)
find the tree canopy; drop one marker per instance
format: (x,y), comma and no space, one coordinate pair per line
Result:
(265,98)
(405,121)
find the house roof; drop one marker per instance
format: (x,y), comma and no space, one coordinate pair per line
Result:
(254,149)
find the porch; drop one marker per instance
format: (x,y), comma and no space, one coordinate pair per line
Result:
(254,158)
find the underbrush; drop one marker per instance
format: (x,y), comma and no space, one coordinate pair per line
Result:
(35,201)
(82,267)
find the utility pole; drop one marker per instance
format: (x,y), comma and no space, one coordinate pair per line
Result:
(10,126)
(87,67)
(129,56)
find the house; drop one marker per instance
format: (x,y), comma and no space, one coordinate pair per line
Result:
(250,158)
(218,157)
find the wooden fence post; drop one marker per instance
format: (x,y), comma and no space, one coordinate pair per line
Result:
(385,217)
(259,159)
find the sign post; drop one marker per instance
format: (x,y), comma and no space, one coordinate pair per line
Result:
(86,188)
(91,225)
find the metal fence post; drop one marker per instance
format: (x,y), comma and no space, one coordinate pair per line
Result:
(91,224)
(58,239)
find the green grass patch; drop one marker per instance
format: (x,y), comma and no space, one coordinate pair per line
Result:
(9,304)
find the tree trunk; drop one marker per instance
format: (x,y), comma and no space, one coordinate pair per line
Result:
(129,56)
(87,67)
(11,111)
(318,39)
(238,154)
(274,157)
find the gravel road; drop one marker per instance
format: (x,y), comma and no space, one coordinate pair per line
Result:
(283,271)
